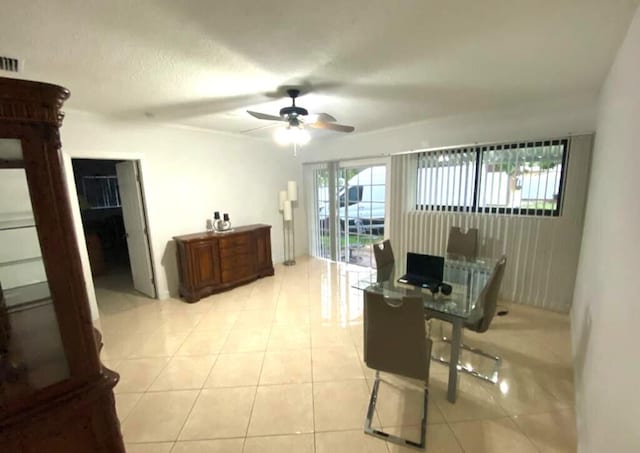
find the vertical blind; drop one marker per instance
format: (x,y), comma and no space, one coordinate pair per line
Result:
(514,178)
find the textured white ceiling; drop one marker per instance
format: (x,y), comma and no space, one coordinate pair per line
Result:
(370,63)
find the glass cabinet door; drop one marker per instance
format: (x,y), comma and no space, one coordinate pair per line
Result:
(32,355)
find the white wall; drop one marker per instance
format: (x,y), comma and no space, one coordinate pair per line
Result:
(187,174)
(606,313)
(533,121)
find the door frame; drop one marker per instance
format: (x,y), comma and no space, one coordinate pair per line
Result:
(77,219)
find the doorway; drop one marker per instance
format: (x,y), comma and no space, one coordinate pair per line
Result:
(114,221)
(350,211)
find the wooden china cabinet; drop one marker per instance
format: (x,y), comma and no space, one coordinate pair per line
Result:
(55,396)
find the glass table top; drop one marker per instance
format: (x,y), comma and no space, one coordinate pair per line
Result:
(466,277)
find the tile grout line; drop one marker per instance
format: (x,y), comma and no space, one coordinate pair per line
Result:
(255,395)
(154,380)
(199,391)
(132,407)
(313,396)
(186,419)
(202,388)
(521,431)
(203,383)
(535,445)
(458,441)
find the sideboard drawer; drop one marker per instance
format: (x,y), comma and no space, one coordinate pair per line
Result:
(236,261)
(237,273)
(233,251)
(239,240)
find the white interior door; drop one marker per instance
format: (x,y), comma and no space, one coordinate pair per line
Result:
(136,227)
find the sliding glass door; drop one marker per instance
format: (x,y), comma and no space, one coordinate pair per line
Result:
(349,211)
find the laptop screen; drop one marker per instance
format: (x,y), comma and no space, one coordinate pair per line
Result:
(427,266)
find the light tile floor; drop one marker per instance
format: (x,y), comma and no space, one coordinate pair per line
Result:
(276,366)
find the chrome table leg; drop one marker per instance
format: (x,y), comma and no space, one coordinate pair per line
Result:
(456,340)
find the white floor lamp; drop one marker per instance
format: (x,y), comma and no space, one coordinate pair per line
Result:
(287,199)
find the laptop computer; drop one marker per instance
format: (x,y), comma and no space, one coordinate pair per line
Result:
(425,271)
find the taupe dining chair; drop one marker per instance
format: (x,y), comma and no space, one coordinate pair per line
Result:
(395,342)
(486,305)
(463,244)
(383,254)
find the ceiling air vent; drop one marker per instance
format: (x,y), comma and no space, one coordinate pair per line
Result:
(9,64)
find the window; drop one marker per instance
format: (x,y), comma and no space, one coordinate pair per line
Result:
(519,178)
(445,179)
(101,192)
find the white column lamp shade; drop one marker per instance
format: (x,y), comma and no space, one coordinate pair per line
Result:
(282,198)
(292,189)
(288,211)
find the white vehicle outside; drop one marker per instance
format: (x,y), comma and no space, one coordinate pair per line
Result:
(361,202)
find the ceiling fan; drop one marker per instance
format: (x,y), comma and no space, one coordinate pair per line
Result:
(297,118)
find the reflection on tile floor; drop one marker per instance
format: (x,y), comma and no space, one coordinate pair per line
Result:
(276,365)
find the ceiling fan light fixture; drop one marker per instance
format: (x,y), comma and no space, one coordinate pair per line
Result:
(297,120)
(291,136)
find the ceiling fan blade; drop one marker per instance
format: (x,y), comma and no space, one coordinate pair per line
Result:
(332,126)
(264,116)
(325,117)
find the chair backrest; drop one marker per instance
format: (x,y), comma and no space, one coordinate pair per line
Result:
(394,335)
(488,298)
(386,273)
(383,253)
(463,244)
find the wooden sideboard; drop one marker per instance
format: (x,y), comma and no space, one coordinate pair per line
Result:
(212,262)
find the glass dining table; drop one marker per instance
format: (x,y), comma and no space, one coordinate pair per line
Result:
(467,278)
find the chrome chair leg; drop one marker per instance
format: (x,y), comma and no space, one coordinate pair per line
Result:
(390,437)
(493,378)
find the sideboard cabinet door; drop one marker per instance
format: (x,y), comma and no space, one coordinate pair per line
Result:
(205,263)
(263,252)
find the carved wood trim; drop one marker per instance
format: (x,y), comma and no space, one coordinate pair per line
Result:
(31,102)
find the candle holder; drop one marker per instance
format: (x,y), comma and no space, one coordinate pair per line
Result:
(221,225)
